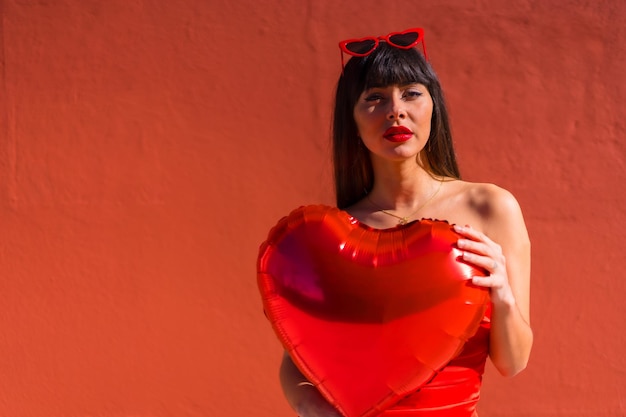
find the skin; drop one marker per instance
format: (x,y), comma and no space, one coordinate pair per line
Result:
(497,239)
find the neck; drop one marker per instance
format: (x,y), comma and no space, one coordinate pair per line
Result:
(402,186)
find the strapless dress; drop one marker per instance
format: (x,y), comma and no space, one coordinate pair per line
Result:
(455,390)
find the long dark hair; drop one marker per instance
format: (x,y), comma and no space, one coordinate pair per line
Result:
(354,175)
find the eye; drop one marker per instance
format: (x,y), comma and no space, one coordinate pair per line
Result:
(412,93)
(373,97)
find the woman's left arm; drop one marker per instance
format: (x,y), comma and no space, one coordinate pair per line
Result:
(504,251)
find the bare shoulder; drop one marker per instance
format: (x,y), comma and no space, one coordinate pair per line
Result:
(498,210)
(489,200)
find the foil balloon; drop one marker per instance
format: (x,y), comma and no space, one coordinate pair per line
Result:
(367,315)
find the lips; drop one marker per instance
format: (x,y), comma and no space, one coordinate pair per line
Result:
(398,134)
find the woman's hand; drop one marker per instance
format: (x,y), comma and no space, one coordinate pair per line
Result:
(302,395)
(483,252)
(316,408)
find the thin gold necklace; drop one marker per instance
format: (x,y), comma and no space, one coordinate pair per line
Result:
(405,219)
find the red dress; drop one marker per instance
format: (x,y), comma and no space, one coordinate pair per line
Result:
(455,390)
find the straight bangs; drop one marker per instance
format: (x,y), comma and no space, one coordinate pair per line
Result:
(393,66)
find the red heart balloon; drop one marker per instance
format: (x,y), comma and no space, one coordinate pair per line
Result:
(367,315)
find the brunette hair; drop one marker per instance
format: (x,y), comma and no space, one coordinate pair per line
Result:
(386,65)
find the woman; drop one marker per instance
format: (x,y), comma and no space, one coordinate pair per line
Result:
(394,163)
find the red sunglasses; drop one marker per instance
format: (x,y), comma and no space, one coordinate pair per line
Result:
(363,47)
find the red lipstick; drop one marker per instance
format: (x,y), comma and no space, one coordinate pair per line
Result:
(398,134)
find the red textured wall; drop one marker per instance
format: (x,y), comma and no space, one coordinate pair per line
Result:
(146,148)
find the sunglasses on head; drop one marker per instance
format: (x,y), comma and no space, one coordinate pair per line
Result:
(363,47)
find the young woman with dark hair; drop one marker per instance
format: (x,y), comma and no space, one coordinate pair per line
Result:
(395,163)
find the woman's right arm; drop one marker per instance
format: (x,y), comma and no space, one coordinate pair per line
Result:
(301,394)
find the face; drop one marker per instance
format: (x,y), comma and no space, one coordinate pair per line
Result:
(394,121)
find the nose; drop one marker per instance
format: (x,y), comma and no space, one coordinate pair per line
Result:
(397,110)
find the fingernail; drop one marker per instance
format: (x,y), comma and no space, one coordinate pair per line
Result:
(461,243)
